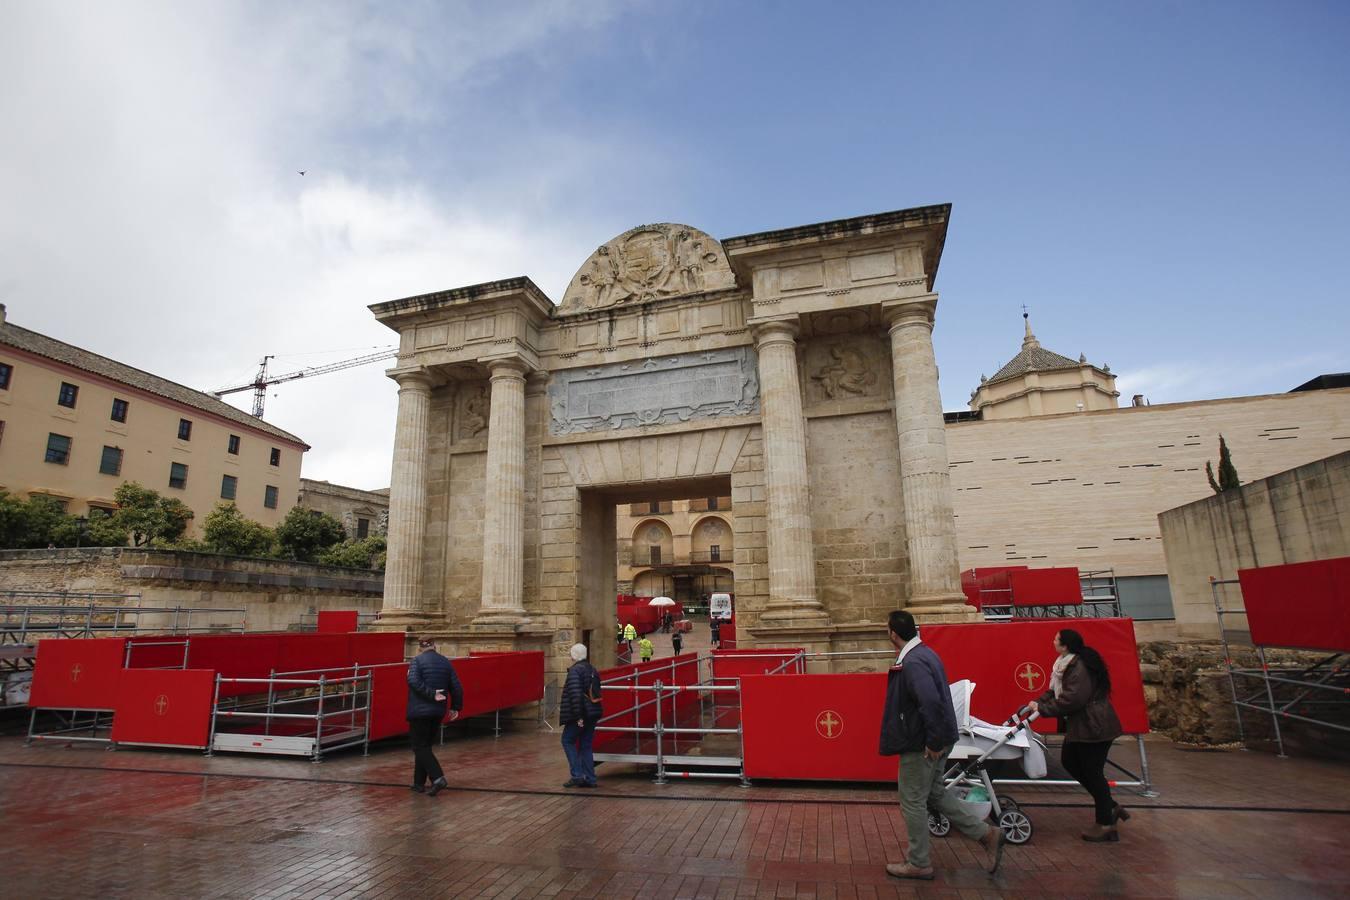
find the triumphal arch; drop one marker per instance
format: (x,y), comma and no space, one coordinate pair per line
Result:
(792,370)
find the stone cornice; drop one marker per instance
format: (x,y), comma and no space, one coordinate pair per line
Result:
(521,289)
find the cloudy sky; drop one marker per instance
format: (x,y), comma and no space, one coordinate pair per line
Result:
(1164,185)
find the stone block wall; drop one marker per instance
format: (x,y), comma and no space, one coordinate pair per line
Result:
(273,593)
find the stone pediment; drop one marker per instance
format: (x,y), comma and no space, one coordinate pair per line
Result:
(646,263)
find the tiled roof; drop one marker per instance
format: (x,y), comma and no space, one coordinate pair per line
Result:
(1034,359)
(40,345)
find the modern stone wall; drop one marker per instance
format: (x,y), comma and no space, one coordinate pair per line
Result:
(274,594)
(1294,516)
(1085,489)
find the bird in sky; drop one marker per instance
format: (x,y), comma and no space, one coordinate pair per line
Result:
(302,172)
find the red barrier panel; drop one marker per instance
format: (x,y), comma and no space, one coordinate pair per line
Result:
(1010,664)
(337,621)
(388,700)
(1046,587)
(734,663)
(375,647)
(164,708)
(987,585)
(77,673)
(236,656)
(820,727)
(520,676)
(157,652)
(328,654)
(1304,605)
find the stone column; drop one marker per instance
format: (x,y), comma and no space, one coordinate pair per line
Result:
(403,599)
(925,484)
(504,498)
(792,565)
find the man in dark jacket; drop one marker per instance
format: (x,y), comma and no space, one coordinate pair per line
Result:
(579,713)
(432,683)
(919,724)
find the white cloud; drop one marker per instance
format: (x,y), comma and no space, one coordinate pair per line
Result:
(151,210)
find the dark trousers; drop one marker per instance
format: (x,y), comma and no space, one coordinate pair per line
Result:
(1086,762)
(577,741)
(423,734)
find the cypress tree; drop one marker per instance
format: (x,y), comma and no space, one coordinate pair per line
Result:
(1228,476)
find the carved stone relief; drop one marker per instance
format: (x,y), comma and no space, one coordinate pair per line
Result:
(473,412)
(844,368)
(657,391)
(646,263)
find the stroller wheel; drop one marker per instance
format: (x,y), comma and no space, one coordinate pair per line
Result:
(1016,826)
(1005,802)
(938,824)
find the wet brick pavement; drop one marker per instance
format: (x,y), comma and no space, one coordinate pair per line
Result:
(82,821)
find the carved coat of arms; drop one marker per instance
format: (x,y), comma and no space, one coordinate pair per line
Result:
(646,263)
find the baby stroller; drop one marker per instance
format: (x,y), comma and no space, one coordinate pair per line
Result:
(978,742)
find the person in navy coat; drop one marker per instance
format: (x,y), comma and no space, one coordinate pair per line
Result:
(432,685)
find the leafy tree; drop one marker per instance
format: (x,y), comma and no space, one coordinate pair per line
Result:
(45,524)
(104,531)
(147,517)
(13,521)
(1228,476)
(226,530)
(366,553)
(304,534)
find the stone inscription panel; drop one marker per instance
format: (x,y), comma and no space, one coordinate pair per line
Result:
(658,391)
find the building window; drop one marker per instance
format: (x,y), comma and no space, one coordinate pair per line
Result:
(185,429)
(712,503)
(58,449)
(655,555)
(67,396)
(654,508)
(6,370)
(119,410)
(177,475)
(229,486)
(111,463)
(362,529)
(275,459)
(270,497)
(233,446)
(714,552)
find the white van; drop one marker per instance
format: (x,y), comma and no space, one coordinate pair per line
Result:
(720,606)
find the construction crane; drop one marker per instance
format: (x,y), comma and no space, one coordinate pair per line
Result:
(262,380)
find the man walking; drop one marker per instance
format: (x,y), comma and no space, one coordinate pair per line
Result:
(630,635)
(676,641)
(431,678)
(646,648)
(919,724)
(579,711)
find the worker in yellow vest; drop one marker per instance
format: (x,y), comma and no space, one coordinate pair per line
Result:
(630,635)
(646,648)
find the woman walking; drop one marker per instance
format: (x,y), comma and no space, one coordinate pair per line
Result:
(1079,696)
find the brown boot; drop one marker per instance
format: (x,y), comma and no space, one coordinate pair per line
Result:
(1100,834)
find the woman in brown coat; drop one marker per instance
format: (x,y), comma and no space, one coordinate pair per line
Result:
(1079,696)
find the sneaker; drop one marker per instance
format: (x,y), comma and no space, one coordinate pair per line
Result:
(586,784)
(571,783)
(437,786)
(905,870)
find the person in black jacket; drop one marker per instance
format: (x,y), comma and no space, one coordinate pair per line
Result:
(579,713)
(432,683)
(919,724)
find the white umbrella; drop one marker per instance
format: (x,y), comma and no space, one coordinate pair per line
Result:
(660,601)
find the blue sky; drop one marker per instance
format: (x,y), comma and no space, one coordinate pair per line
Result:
(1165,185)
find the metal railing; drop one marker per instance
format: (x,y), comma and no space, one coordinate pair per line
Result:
(1322,685)
(21,624)
(309,621)
(291,698)
(1101,600)
(714,686)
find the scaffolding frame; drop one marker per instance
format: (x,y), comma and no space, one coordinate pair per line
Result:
(1101,600)
(1282,691)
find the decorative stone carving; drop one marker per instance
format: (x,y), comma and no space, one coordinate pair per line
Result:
(845,368)
(658,391)
(384,521)
(473,412)
(646,263)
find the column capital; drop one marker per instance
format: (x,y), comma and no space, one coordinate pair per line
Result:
(510,368)
(775,331)
(412,378)
(903,313)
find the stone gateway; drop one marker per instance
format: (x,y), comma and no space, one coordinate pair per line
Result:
(791,370)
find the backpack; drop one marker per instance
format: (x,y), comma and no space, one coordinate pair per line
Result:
(593,709)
